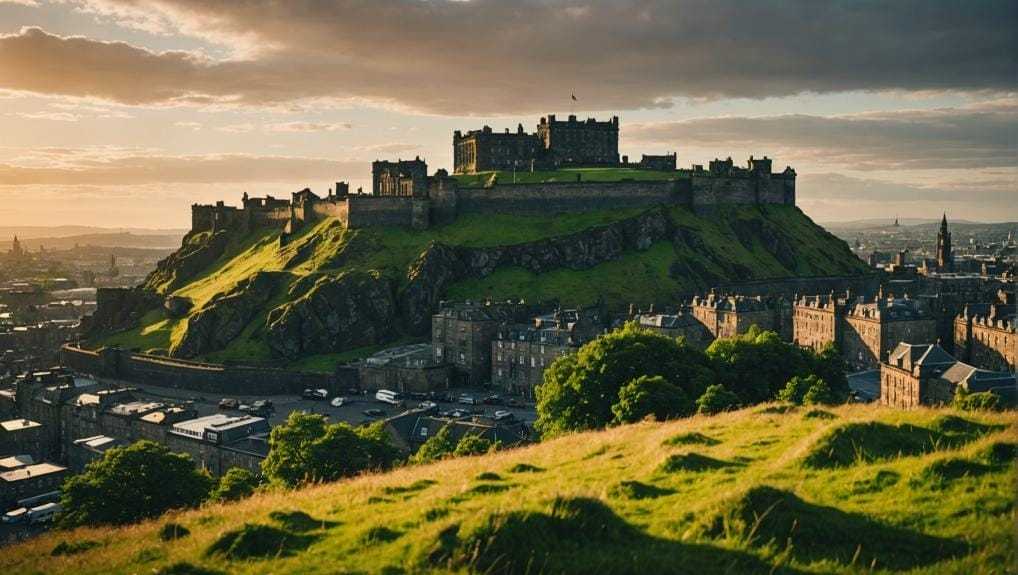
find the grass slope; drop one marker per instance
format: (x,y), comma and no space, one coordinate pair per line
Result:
(737,493)
(653,275)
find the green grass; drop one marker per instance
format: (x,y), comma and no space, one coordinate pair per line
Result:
(946,510)
(564,175)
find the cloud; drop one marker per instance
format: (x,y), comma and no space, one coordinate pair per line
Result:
(196,126)
(117,168)
(54,116)
(307,127)
(981,136)
(491,56)
(32,3)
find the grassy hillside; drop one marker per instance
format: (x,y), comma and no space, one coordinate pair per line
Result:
(724,246)
(756,491)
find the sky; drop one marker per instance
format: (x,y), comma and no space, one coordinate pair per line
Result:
(125,112)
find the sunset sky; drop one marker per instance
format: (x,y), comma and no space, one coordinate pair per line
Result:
(125,112)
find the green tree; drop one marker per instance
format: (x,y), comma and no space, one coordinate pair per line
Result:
(236,484)
(819,393)
(474,444)
(579,392)
(796,389)
(132,483)
(757,365)
(829,366)
(306,449)
(438,446)
(650,396)
(715,400)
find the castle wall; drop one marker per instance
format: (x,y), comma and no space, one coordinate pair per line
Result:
(339,209)
(192,375)
(365,211)
(710,189)
(569,196)
(267,217)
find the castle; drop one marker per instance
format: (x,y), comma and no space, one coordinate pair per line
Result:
(404,195)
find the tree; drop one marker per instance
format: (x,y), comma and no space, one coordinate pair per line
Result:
(579,391)
(796,389)
(132,483)
(819,393)
(306,449)
(715,400)
(757,365)
(238,483)
(829,366)
(650,396)
(438,446)
(474,444)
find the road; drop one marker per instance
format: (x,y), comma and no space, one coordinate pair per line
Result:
(351,412)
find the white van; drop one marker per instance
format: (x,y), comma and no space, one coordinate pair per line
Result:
(388,396)
(16,516)
(43,513)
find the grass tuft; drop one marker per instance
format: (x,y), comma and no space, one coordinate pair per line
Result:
(379,534)
(173,531)
(863,442)
(690,438)
(693,462)
(299,522)
(185,568)
(819,414)
(414,487)
(525,468)
(638,490)
(488,476)
(73,547)
(256,541)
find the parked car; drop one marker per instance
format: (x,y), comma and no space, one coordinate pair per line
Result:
(430,405)
(438,396)
(18,515)
(502,414)
(456,413)
(388,396)
(261,408)
(373,412)
(227,403)
(43,513)
(315,394)
(466,399)
(513,402)
(493,400)
(339,401)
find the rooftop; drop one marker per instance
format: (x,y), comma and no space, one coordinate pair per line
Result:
(30,471)
(19,424)
(15,461)
(215,422)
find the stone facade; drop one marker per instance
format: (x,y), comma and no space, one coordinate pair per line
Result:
(872,330)
(572,142)
(520,353)
(925,374)
(461,335)
(986,337)
(816,321)
(411,368)
(485,151)
(403,178)
(22,437)
(30,481)
(681,324)
(729,316)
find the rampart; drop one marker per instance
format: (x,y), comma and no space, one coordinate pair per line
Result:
(571,196)
(215,378)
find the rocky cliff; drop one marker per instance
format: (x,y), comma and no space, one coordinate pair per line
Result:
(331,290)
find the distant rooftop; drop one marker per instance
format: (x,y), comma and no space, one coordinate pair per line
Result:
(16,461)
(30,471)
(19,424)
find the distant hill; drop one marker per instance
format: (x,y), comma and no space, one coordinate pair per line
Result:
(330,290)
(764,490)
(889,222)
(152,239)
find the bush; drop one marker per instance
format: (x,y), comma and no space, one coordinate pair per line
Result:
(650,396)
(238,483)
(306,449)
(978,401)
(132,483)
(795,389)
(172,531)
(438,446)
(715,400)
(819,393)
(473,444)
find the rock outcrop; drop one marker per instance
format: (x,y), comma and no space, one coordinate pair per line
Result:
(334,314)
(118,309)
(197,252)
(225,316)
(442,265)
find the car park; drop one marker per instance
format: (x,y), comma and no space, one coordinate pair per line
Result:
(466,399)
(373,412)
(427,405)
(315,394)
(493,400)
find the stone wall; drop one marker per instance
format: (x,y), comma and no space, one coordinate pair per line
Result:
(192,375)
(864,285)
(366,211)
(579,196)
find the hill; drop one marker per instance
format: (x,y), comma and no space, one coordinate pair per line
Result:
(766,489)
(330,292)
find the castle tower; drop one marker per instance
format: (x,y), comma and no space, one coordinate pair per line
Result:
(945,260)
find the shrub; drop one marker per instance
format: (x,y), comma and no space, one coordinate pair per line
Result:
(238,483)
(172,531)
(474,444)
(715,400)
(819,393)
(976,401)
(650,396)
(438,446)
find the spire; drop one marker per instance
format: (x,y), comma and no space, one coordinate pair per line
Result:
(943,222)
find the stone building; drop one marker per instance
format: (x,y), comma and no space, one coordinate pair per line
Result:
(925,374)
(521,352)
(221,441)
(945,259)
(871,330)
(985,336)
(403,178)
(817,321)
(580,143)
(409,368)
(462,332)
(729,316)
(30,481)
(680,324)
(23,437)
(410,429)
(485,151)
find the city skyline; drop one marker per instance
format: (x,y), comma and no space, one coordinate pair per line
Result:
(130,111)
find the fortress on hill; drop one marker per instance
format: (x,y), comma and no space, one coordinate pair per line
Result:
(404,195)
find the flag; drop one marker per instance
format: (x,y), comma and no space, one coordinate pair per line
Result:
(574,97)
